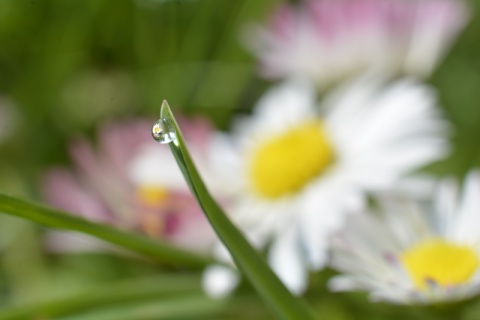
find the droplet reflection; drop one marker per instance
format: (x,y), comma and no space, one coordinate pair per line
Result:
(162,132)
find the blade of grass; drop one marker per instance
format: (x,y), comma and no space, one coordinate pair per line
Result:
(106,295)
(194,307)
(53,218)
(270,288)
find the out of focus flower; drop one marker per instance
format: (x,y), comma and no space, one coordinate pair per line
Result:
(414,252)
(326,40)
(296,171)
(133,183)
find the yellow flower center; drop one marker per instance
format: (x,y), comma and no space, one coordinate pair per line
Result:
(287,162)
(152,195)
(151,220)
(440,262)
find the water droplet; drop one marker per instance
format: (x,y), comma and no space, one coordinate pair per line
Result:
(163,132)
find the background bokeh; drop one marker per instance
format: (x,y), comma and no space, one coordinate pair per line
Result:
(68,66)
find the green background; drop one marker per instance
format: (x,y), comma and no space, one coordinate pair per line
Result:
(67,66)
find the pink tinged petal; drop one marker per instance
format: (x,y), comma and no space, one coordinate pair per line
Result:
(219,281)
(119,142)
(84,157)
(62,190)
(186,225)
(326,40)
(197,132)
(437,22)
(96,173)
(282,21)
(287,261)
(103,180)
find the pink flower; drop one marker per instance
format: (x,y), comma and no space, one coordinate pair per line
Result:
(325,40)
(132,182)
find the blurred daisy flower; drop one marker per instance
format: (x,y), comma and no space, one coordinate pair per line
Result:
(414,252)
(326,40)
(132,183)
(296,169)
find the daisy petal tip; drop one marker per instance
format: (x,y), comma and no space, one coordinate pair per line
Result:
(340,284)
(219,281)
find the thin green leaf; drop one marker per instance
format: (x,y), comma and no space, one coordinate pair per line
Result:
(52,218)
(192,307)
(108,295)
(270,288)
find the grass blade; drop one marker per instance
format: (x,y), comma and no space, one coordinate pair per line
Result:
(52,218)
(191,307)
(253,266)
(108,295)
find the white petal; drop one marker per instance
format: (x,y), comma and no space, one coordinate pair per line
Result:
(341,106)
(287,262)
(219,281)
(344,283)
(283,106)
(405,219)
(445,206)
(222,253)
(324,209)
(318,223)
(418,186)
(224,160)
(157,167)
(348,283)
(468,226)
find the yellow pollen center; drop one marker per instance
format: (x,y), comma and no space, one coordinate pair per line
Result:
(151,195)
(288,162)
(440,262)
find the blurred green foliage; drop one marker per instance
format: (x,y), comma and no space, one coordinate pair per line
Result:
(458,83)
(69,65)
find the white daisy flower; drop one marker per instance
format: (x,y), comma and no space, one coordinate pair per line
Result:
(296,169)
(414,252)
(326,40)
